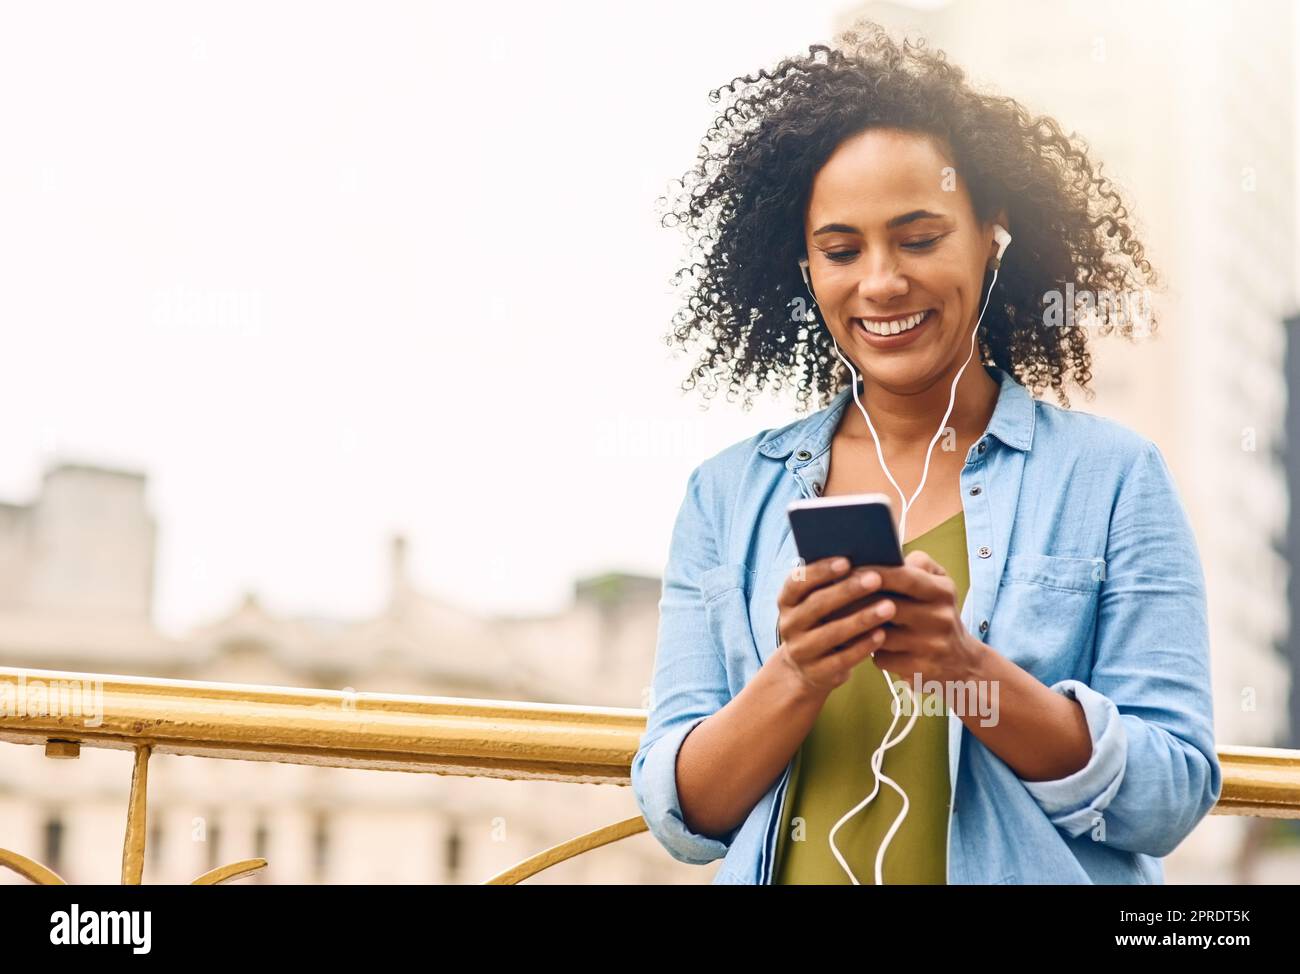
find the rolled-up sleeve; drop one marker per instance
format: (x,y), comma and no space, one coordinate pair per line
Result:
(689,682)
(1154,772)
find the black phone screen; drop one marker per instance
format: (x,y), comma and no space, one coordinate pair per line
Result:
(859,530)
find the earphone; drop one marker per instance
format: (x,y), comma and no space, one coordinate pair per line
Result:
(1002,238)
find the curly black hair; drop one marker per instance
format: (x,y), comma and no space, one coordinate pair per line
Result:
(743,207)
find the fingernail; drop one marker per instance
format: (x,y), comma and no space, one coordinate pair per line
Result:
(839,564)
(870,580)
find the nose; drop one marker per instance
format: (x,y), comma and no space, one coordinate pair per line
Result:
(881,281)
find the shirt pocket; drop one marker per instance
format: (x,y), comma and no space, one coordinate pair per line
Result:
(1046,615)
(726,611)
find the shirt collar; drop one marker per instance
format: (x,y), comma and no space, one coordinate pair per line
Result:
(807,439)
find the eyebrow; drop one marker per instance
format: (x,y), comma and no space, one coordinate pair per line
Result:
(897,221)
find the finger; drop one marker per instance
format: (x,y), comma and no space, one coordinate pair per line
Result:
(836,668)
(914,582)
(807,577)
(828,637)
(872,640)
(857,591)
(899,640)
(924,561)
(912,616)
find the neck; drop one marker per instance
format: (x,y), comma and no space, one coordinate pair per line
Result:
(908,421)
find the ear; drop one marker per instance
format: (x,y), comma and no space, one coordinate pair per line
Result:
(999,218)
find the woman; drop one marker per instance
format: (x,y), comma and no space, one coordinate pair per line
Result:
(856,207)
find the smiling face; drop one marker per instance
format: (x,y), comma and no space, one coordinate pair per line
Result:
(897,260)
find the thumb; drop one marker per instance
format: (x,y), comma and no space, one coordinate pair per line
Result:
(922,560)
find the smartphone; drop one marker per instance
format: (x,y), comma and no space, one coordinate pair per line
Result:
(860,527)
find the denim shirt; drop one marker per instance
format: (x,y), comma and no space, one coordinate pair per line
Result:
(1083,571)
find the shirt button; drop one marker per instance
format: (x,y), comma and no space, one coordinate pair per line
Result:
(974,491)
(984,626)
(817,489)
(983,445)
(984,551)
(803,455)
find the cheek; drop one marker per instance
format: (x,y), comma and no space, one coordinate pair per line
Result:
(841,292)
(959,304)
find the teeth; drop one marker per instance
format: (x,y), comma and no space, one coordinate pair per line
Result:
(893,327)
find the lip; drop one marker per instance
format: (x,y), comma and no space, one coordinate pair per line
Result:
(900,340)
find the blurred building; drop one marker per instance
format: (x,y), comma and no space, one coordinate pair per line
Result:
(76,583)
(1191,108)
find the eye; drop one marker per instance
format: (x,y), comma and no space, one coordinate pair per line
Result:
(844,256)
(922,244)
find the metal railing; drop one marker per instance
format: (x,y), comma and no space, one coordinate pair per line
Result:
(63,712)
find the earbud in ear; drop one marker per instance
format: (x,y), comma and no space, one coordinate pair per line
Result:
(1003,240)
(803,269)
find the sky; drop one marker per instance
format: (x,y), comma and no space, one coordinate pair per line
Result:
(325,272)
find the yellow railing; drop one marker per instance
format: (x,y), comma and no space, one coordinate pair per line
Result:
(396,732)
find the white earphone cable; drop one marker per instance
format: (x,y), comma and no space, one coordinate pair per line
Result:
(877,757)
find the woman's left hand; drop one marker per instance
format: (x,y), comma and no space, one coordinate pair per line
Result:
(925,634)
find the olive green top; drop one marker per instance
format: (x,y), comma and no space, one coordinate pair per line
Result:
(832,770)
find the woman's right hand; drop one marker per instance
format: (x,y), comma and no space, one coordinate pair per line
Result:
(829,620)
